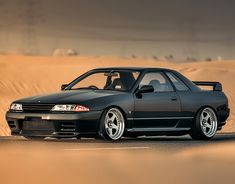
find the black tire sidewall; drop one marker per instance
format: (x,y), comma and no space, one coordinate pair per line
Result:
(197,132)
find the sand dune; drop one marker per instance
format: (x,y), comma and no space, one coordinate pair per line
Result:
(24,76)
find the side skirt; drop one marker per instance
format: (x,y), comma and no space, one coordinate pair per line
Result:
(143,130)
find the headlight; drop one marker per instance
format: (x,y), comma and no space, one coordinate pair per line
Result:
(16,107)
(70,108)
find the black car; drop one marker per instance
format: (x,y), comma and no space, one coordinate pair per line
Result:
(114,102)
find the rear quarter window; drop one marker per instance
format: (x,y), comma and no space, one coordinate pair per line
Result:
(179,85)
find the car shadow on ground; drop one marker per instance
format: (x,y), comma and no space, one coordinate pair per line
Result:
(151,139)
(221,137)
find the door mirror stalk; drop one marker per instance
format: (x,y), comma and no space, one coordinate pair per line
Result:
(144,89)
(63,86)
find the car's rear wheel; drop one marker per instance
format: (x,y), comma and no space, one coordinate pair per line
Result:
(205,124)
(112,124)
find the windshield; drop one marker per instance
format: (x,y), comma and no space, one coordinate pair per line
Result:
(122,80)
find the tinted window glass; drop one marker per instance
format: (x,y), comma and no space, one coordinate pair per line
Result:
(158,81)
(179,85)
(107,80)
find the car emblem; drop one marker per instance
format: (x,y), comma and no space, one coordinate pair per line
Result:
(39,101)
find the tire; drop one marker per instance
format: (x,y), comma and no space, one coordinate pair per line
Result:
(35,138)
(205,124)
(112,124)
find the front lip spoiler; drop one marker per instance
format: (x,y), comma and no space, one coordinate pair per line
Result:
(53,134)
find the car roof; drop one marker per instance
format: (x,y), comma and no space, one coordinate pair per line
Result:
(134,69)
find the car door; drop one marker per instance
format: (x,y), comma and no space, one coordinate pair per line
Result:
(158,109)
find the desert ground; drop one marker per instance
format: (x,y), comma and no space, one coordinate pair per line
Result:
(177,160)
(23,76)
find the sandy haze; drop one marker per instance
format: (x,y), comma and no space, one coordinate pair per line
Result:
(23,76)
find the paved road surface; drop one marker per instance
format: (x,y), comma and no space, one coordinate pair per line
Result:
(143,160)
(163,144)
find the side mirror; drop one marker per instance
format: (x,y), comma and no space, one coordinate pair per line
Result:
(63,86)
(146,89)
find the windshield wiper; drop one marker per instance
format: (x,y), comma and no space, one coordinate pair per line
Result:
(85,88)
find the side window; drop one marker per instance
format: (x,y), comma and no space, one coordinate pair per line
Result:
(158,81)
(179,85)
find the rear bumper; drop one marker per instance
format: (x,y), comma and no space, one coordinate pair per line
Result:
(53,124)
(223,114)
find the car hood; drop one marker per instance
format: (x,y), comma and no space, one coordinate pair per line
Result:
(69,97)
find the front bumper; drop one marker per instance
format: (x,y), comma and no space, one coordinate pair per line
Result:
(53,124)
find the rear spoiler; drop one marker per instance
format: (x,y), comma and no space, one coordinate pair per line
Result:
(217,86)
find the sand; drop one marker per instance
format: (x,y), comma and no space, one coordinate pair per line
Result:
(23,76)
(45,162)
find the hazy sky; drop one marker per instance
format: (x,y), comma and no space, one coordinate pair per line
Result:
(195,28)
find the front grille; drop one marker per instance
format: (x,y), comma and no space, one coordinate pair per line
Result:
(38,125)
(37,107)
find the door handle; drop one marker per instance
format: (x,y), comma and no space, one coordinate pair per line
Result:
(174,98)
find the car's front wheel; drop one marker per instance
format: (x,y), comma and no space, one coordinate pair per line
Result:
(112,124)
(205,124)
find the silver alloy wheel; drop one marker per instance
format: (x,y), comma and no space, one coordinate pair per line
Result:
(208,122)
(114,124)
